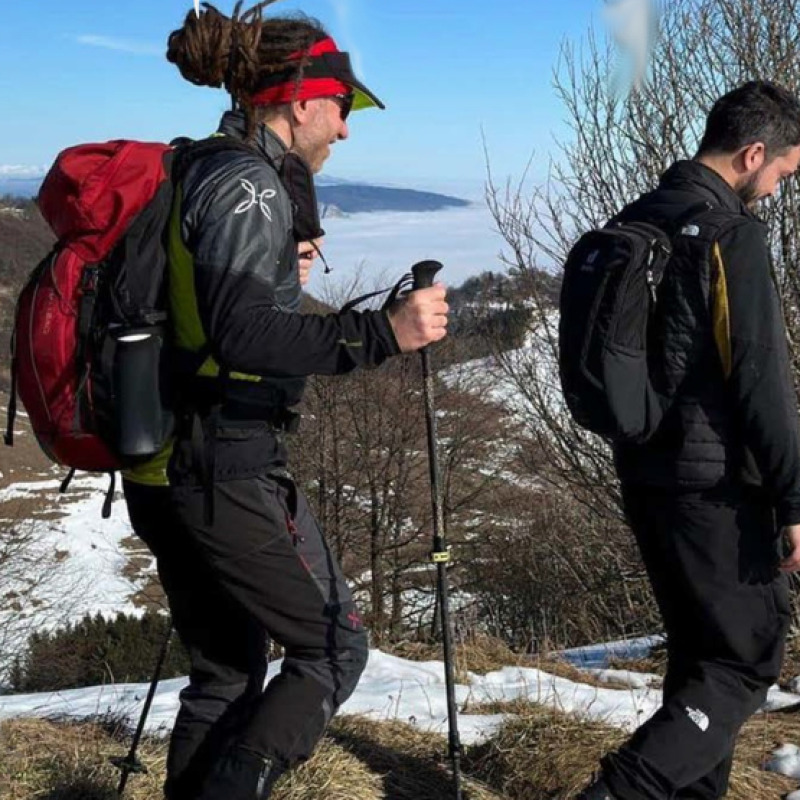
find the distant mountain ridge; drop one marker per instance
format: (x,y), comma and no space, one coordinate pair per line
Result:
(335,196)
(19,187)
(353,198)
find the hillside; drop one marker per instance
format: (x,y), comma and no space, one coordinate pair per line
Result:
(532,727)
(353,198)
(25,238)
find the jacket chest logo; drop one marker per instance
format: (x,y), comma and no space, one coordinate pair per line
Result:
(255,199)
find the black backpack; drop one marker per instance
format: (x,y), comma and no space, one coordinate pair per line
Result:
(610,368)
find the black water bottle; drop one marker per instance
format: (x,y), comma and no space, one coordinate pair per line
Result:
(140,416)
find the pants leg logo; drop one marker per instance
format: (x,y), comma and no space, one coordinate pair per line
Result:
(699,718)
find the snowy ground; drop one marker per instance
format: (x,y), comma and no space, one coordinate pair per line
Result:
(72,561)
(391,687)
(413,692)
(96,559)
(394,688)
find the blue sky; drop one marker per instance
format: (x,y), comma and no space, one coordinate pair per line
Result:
(449,72)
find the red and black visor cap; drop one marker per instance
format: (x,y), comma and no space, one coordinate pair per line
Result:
(327,73)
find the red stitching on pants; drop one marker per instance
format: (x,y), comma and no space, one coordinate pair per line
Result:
(292,528)
(354,617)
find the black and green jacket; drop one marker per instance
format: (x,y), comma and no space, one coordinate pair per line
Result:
(234,294)
(234,283)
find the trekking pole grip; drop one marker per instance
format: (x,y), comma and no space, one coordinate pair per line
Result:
(424,273)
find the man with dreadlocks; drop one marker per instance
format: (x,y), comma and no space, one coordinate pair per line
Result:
(240,556)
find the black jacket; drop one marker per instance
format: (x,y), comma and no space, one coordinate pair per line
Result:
(734,414)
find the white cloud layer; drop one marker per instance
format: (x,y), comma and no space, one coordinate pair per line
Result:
(21,171)
(380,247)
(121,45)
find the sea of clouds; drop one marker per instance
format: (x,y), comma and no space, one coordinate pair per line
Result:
(375,249)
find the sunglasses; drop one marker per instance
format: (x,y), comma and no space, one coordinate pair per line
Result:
(345,102)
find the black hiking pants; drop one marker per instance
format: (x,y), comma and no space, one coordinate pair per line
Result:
(712,561)
(260,571)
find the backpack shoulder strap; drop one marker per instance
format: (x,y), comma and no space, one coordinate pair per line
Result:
(700,214)
(708,225)
(187,151)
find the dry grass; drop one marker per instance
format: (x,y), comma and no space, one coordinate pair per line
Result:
(70,761)
(332,773)
(411,763)
(543,754)
(478,653)
(358,760)
(481,654)
(539,754)
(791,661)
(655,663)
(563,669)
(759,738)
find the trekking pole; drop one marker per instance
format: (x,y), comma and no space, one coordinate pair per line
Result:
(424,273)
(128,764)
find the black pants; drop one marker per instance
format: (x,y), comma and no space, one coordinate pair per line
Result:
(262,570)
(712,562)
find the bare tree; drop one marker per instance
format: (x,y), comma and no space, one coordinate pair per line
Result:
(617,149)
(363,455)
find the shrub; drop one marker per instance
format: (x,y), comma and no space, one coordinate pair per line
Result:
(95,651)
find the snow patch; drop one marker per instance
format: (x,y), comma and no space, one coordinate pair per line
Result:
(786,761)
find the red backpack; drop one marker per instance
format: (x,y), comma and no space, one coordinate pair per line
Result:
(90,325)
(90,334)
(101,200)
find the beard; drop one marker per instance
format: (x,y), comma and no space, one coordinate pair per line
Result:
(747,191)
(313,151)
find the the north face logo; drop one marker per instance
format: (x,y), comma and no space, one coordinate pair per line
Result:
(699,718)
(588,265)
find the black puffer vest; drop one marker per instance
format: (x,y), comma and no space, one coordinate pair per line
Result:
(696,446)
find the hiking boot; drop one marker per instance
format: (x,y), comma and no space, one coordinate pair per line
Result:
(597,791)
(241,774)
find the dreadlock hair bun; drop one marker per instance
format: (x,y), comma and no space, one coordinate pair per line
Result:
(201,48)
(211,49)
